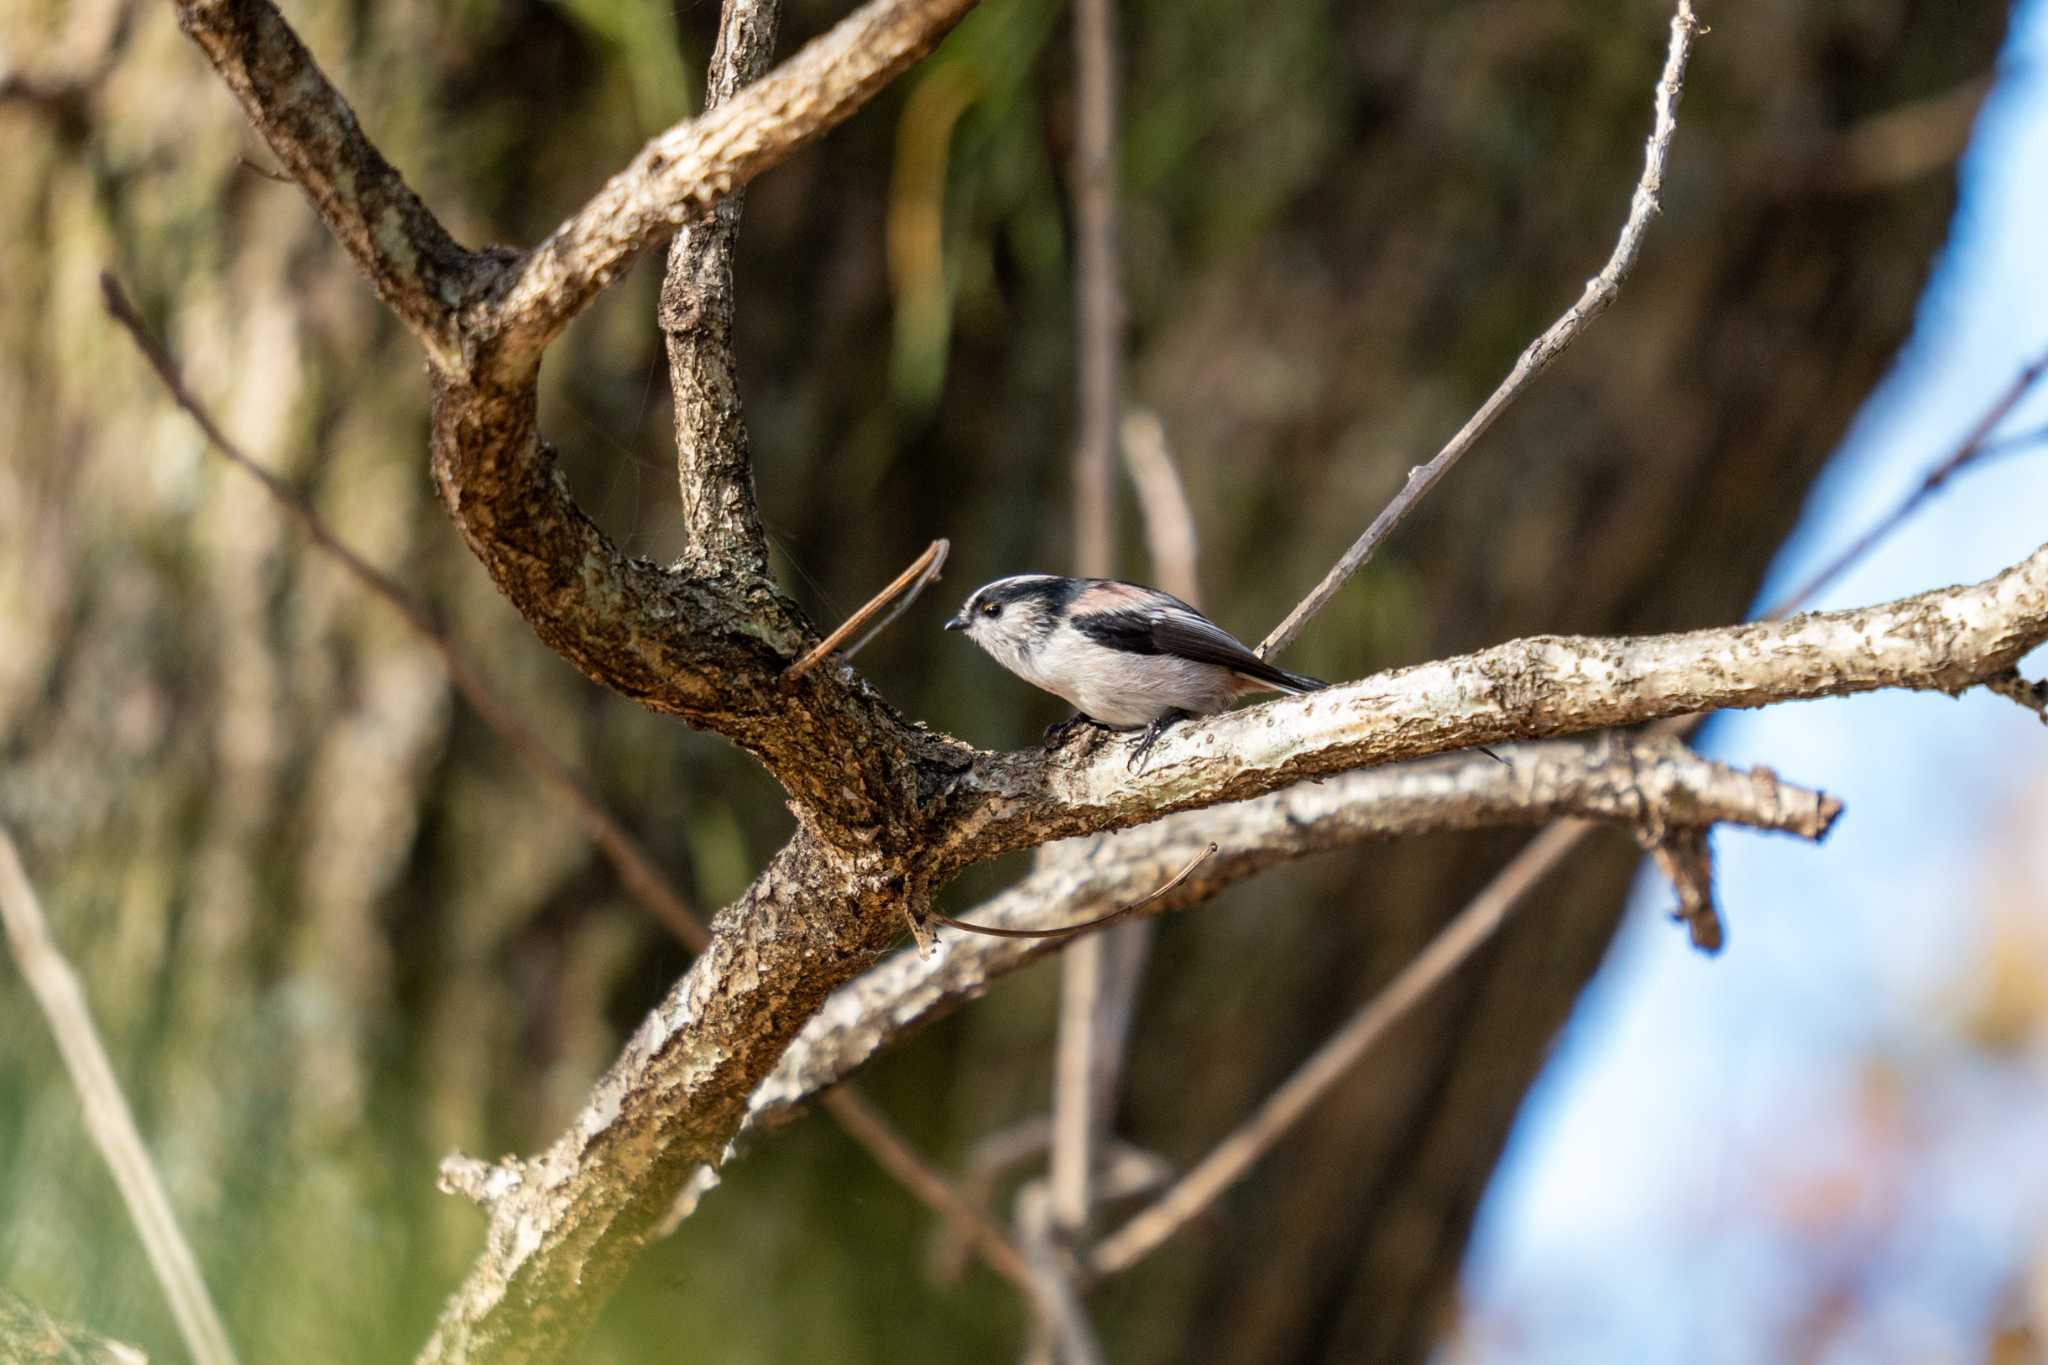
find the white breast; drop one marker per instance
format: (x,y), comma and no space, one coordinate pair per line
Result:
(1120,689)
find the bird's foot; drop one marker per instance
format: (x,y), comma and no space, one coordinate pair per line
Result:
(1151,737)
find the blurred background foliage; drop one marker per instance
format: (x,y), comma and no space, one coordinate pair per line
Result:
(331,929)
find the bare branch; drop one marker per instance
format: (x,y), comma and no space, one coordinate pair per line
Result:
(932,564)
(569,1221)
(420,272)
(1681,855)
(1599,294)
(1974,444)
(485,1182)
(720,517)
(107,1115)
(689,168)
(1099,304)
(866,1125)
(1228,1162)
(1066,1335)
(1608,781)
(1069,931)
(1948,640)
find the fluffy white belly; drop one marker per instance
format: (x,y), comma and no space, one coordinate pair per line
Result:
(1141,688)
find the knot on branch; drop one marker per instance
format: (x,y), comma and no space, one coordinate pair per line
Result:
(483,1183)
(2010,685)
(1681,855)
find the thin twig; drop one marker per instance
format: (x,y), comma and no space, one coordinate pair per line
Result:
(2011,445)
(636,867)
(1231,1158)
(1599,294)
(866,1125)
(1974,444)
(925,580)
(921,572)
(1068,931)
(107,1115)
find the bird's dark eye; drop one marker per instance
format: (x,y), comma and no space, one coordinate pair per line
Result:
(991,609)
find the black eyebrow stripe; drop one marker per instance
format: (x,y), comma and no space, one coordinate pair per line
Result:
(1054,592)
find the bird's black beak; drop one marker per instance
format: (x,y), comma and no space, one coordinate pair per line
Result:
(958,622)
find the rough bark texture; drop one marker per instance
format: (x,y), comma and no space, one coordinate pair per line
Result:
(282,847)
(1630,784)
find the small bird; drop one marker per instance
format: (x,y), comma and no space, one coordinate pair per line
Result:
(1124,654)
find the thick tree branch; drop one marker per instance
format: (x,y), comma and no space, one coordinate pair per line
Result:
(420,272)
(564,1226)
(562,1234)
(709,650)
(1624,782)
(712,462)
(687,169)
(1947,640)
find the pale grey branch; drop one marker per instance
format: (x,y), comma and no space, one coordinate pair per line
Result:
(1947,640)
(107,1116)
(1618,782)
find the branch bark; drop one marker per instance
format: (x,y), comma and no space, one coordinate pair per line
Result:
(696,316)
(1614,781)
(1947,640)
(886,812)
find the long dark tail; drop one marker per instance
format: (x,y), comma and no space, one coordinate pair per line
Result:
(1279,679)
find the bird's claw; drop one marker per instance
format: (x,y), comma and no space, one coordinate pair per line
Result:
(1150,738)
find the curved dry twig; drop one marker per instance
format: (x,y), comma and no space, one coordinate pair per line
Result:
(1599,294)
(1068,931)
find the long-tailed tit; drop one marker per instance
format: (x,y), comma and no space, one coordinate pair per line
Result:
(1125,655)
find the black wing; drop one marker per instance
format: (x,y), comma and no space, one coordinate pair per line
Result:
(1186,634)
